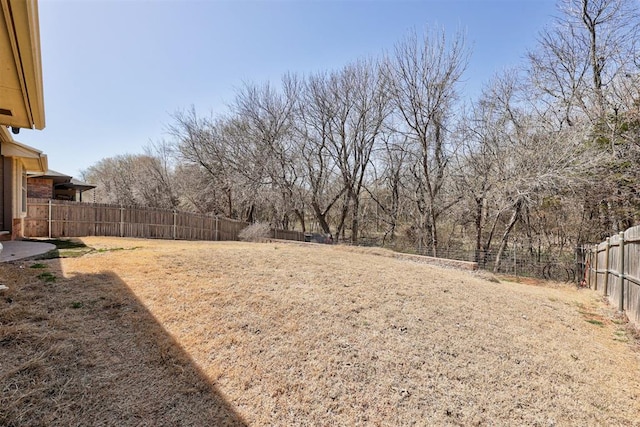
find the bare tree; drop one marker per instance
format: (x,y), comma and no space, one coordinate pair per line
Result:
(360,108)
(423,76)
(314,114)
(268,115)
(535,161)
(478,162)
(197,192)
(387,189)
(115,178)
(584,66)
(136,180)
(341,117)
(213,145)
(159,171)
(590,45)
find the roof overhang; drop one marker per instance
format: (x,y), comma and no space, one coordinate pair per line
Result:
(75,185)
(33,159)
(21,89)
(56,177)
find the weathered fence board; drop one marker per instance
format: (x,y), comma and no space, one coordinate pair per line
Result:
(614,270)
(58,218)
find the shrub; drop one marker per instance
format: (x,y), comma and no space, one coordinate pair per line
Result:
(255,232)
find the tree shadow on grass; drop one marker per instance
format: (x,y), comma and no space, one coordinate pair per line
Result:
(84,351)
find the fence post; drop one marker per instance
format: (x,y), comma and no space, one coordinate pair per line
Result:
(621,270)
(175,224)
(216,237)
(588,263)
(121,221)
(50,219)
(581,264)
(594,267)
(606,266)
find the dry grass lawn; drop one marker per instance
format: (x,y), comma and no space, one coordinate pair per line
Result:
(146,332)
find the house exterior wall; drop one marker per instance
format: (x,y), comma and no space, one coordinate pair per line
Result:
(15,179)
(7,199)
(2,198)
(40,188)
(19,199)
(14,190)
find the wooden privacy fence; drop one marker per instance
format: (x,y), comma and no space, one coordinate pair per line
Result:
(58,218)
(613,268)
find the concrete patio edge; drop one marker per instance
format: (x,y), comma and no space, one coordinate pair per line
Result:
(14,250)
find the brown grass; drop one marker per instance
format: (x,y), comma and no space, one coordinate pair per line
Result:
(193,333)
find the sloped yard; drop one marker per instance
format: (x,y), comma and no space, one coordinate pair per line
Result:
(144,332)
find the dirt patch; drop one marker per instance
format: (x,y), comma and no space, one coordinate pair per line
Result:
(279,334)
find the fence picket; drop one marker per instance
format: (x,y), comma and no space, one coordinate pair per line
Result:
(621,270)
(606,265)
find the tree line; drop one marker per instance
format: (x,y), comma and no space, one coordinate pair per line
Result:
(387,150)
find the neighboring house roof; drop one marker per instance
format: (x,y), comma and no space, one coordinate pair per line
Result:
(75,184)
(63,181)
(57,177)
(33,159)
(21,92)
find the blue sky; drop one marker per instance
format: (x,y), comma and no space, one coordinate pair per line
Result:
(115,71)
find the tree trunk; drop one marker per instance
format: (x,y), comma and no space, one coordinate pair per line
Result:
(354,221)
(300,216)
(487,244)
(595,61)
(478,215)
(321,217)
(250,214)
(229,202)
(505,236)
(343,215)
(434,233)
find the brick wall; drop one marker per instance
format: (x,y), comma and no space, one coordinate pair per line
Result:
(40,188)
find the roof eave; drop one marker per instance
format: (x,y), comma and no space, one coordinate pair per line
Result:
(33,159)
(21,19)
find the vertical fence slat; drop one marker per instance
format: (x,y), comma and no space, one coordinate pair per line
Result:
(595,267)
(49,219)
(175,224)
(632,270)
(606,265)
(121,221)
(621,270)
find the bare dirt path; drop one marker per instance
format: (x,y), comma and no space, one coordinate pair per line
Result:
(293,334)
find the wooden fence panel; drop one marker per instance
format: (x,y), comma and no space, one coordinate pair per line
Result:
(58,218)
(287,235)
(195,227)
(229,229)
(147,223)
(615,266)
(598,264)
(632,273)
(613,285)
(106,220)
(80,221)
(36,223)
